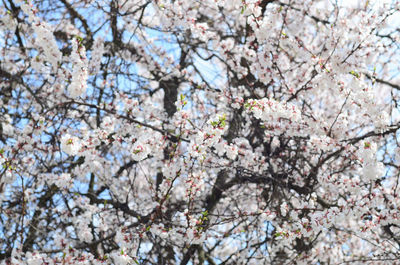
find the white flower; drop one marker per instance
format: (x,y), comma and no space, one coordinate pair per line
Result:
(163,234)
(235,105)
(140,151)
(33,259)
(220,148)
(231,152)
(46,40)
(96,56)
(108,123)
(9,22)
(70,144)
(275,143)
(121,259)
(60,241)
(85,235)
(80,66)
(63,181)
(284,209)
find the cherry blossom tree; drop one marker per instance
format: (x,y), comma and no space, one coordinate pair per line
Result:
(199,132)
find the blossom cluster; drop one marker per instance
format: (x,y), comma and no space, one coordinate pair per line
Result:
(193,132)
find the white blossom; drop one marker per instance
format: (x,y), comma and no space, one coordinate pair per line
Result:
(80,70)
(70,144)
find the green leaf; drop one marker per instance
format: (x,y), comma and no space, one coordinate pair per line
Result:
(354,73)
(136,151)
